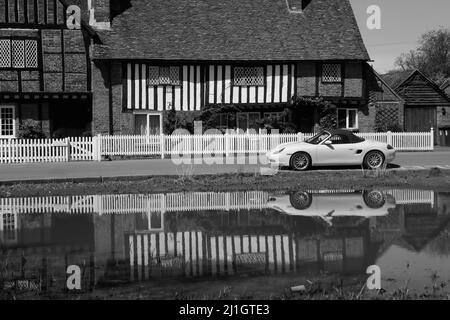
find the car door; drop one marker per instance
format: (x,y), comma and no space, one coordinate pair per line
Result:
(339,152)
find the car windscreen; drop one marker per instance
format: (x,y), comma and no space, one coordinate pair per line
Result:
(318,138)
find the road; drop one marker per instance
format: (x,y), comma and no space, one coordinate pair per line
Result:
(158,167)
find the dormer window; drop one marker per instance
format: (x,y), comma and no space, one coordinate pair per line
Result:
(295,6)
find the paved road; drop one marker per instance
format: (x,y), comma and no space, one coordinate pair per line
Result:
(136,168)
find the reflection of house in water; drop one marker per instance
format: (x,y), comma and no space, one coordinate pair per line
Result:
(122,237)
(413,224)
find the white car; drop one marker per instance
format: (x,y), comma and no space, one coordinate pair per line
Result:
(332,148)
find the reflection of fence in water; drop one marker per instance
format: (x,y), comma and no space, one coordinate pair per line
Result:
(413,196)
(136,203)
(195,201)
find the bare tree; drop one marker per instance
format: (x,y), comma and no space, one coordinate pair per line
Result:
(432,56)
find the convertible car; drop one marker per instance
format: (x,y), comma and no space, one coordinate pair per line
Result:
(332,148)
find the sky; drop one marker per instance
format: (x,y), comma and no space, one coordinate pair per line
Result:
(402,24)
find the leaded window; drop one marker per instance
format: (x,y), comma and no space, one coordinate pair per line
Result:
(169,76)
(18,53)
(5,53)
(331,72)
(31,54)
(7,121)
(249,76)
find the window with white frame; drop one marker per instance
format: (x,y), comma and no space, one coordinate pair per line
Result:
(7,122)
(18,54)
(167,76)
(147,123)
(331,72)
(248,76)
(347,118)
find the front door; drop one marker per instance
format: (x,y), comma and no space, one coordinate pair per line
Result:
(420,119)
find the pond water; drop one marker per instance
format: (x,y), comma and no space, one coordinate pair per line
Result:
(119,239)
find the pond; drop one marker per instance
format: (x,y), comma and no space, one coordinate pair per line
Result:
(194,237)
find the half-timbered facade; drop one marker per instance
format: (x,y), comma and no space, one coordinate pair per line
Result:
(44,69)
(254,56)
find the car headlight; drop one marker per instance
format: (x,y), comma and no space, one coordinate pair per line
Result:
(278,151)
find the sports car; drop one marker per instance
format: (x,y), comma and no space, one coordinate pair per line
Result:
(332,148)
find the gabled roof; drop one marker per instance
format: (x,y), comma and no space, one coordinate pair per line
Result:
(233,30)
(386,84)
(417,89)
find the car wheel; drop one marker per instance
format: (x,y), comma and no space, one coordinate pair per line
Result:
(374,199)
(374,160)
(301,200)
(300,161)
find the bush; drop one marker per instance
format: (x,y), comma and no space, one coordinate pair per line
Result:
(30,129)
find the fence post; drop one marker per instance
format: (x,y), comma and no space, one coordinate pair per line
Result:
(301,137)
(227,146)
(98,147)
(68,149)
(163,148)
(432,139)
(389,138)
(9,160)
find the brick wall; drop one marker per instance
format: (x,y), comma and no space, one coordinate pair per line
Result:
(443,120)
(309,82)
(100,100)
(353,81)
(107,87)
(366,118)
(306,79)
(63,59)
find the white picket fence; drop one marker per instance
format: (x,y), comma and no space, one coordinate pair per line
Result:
(93,149)
(48,150)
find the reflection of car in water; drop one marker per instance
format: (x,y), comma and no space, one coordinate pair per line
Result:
(370,203)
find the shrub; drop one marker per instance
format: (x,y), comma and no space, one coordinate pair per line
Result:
(30,129)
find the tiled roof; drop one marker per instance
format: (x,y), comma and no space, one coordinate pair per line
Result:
(416,88)
(231,30)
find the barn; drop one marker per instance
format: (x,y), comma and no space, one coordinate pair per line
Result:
(425,104)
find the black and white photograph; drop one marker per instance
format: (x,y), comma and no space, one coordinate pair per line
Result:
(227,157)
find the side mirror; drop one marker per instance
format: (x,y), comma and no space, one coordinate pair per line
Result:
(328,143)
